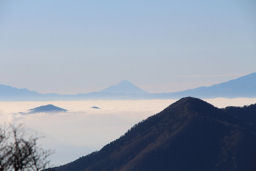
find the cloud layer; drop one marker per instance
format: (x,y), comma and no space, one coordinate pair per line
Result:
(84,129)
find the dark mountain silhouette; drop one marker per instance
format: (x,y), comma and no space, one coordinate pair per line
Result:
(47,109)
(189,135)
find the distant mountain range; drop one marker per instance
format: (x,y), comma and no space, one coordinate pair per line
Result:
(9,93)
(189,135)
(241,87)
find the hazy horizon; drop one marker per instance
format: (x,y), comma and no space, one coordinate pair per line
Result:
(71,47)
(159,91)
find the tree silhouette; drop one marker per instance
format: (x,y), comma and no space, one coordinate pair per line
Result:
(19,151)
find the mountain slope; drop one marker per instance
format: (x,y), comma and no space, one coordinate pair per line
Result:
(124,87)
(188,135)
(122,90)
(8,92)
(241,87)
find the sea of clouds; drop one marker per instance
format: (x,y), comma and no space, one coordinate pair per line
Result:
(83,129)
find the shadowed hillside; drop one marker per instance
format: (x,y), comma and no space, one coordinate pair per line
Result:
(189,135)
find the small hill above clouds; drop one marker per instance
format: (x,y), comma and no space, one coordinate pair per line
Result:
(189,135)
(47,109)
(95,107)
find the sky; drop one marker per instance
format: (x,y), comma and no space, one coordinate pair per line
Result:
(68,46)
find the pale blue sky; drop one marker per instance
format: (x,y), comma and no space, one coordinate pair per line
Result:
(71,46)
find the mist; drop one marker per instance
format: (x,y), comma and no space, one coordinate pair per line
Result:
(84,129)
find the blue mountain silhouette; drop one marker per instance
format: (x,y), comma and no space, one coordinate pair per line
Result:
(124,87)
(47,109)
(241,87)
(8,92)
